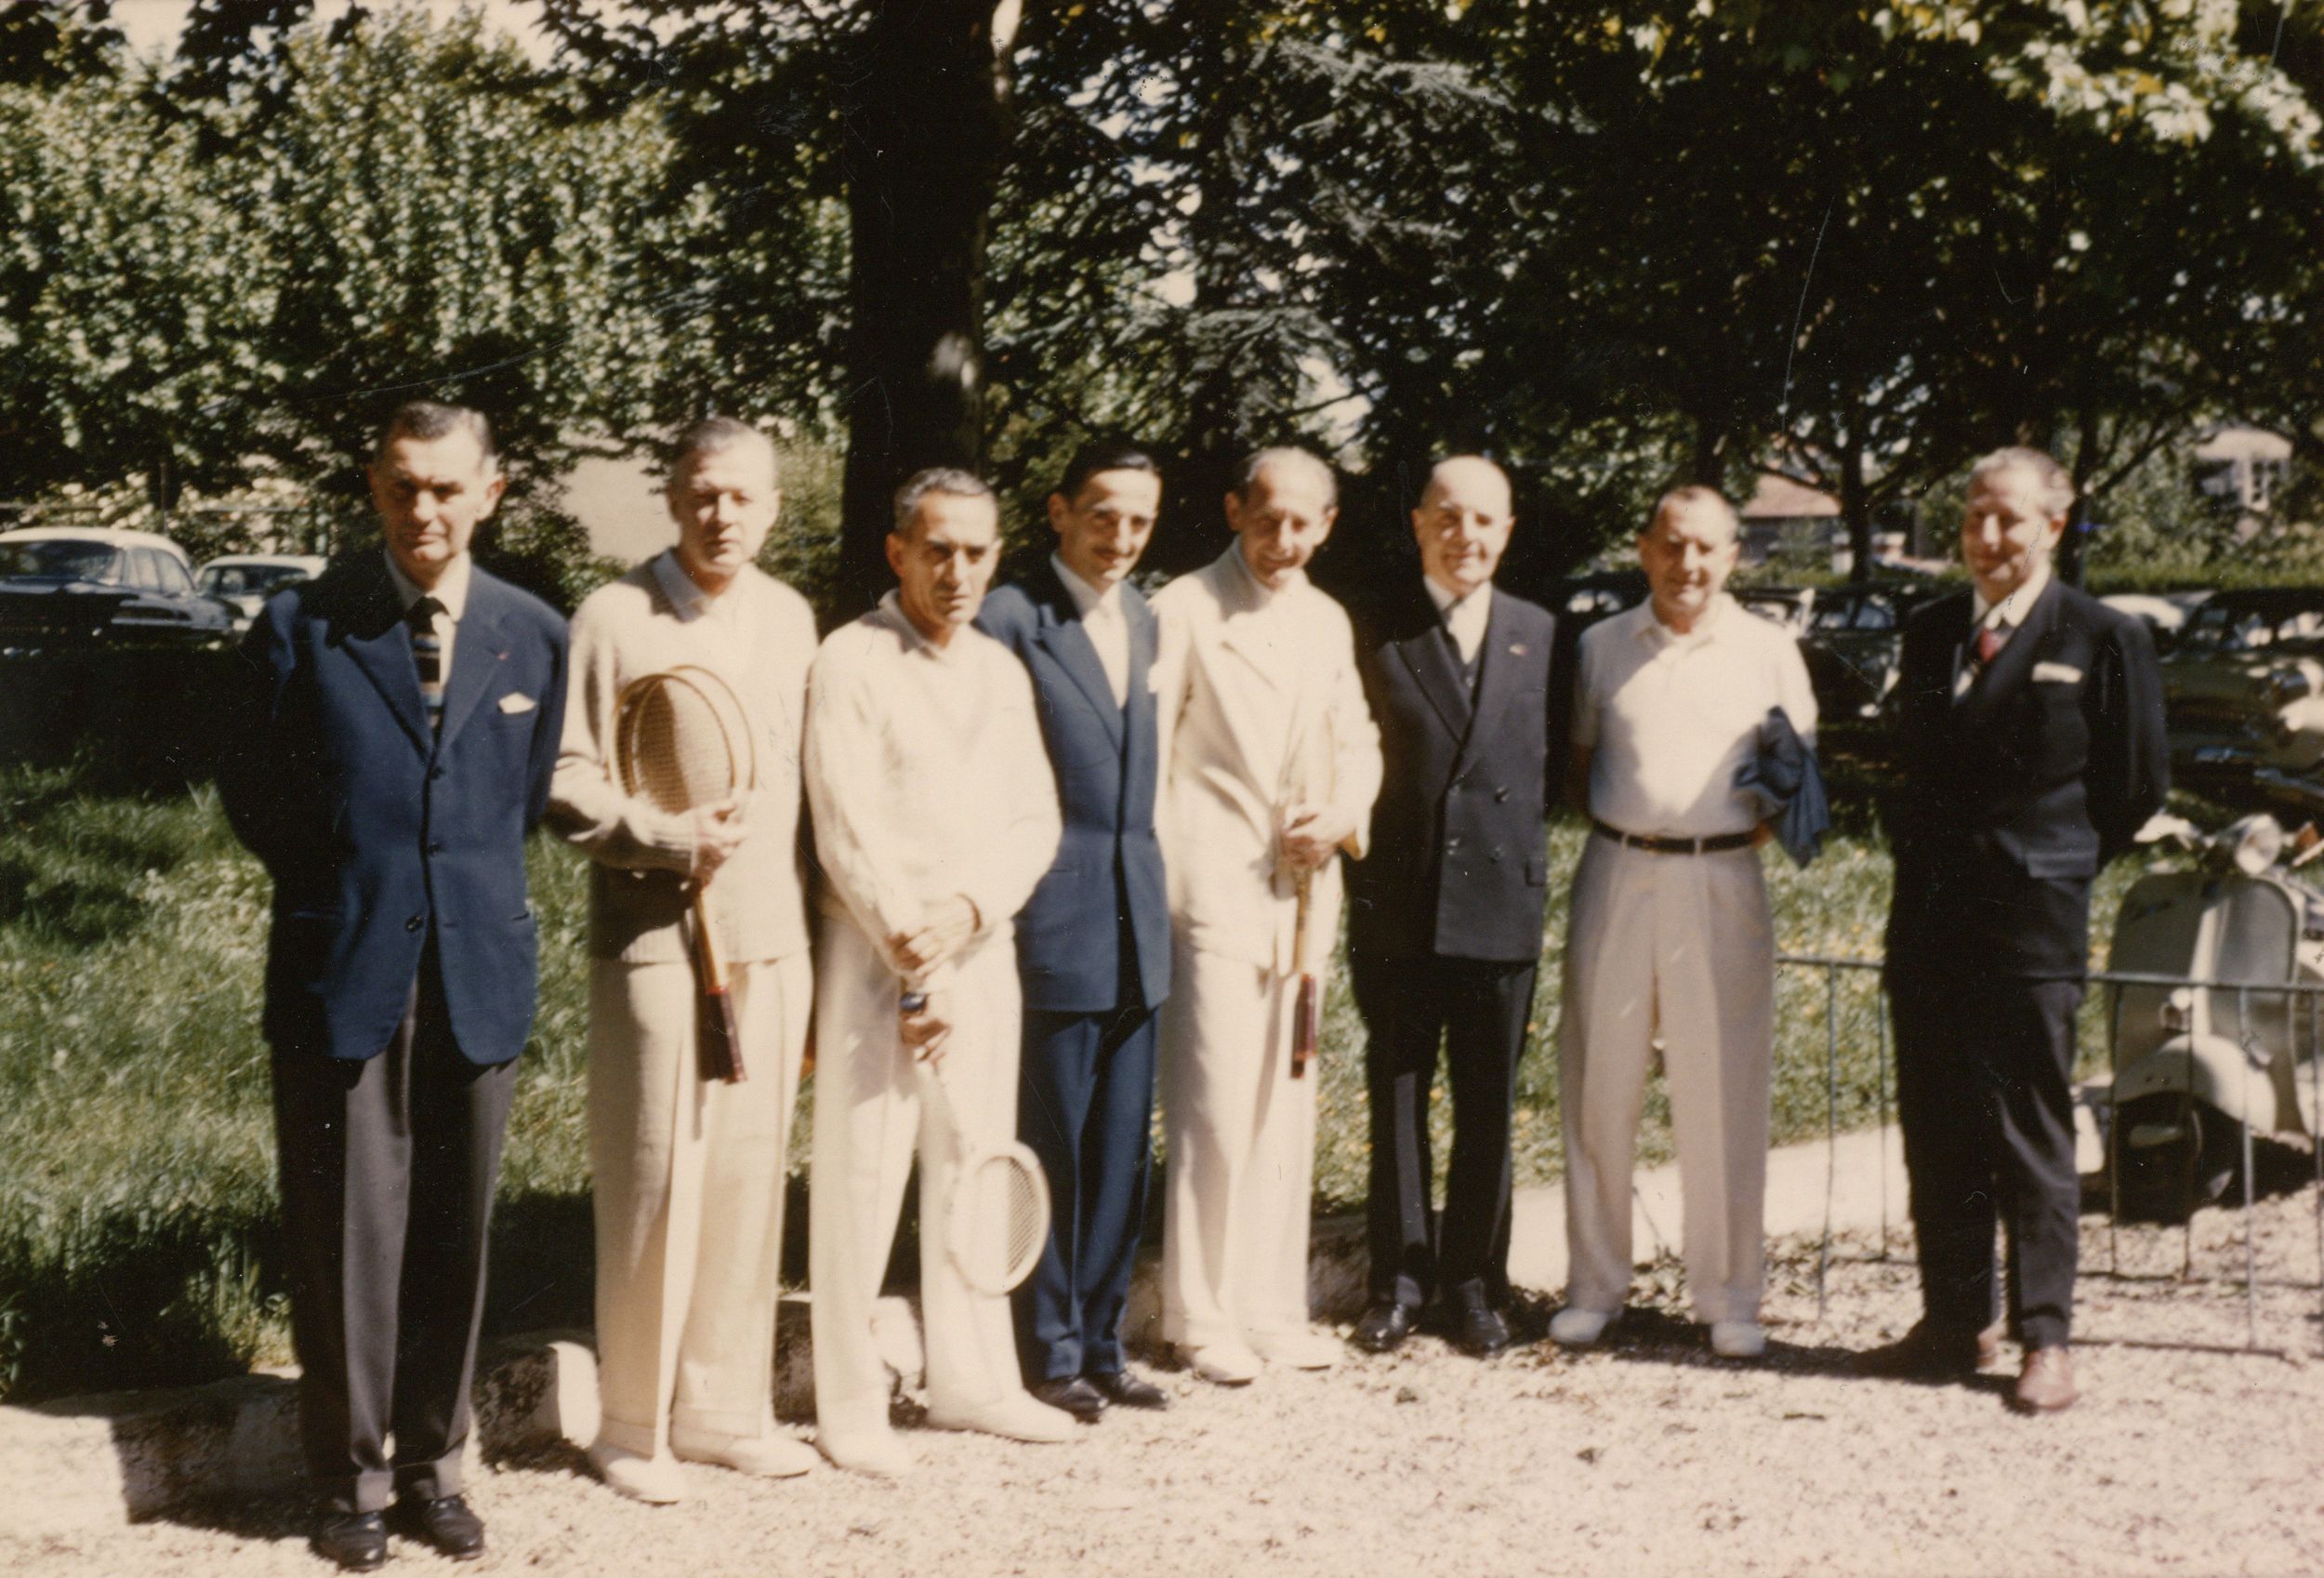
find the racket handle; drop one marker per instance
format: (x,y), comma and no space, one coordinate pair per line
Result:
(719,1039)
(1304,1026)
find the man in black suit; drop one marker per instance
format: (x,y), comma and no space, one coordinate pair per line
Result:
(1093,942)
(2032,730)
(1444,923)
(405,715)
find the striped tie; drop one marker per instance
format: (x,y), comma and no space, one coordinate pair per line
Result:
(428,656)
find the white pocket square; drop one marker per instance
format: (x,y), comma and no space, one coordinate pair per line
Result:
(2064,673)
(513,703)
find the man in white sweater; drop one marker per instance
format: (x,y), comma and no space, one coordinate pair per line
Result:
(935,813)
(689,1172)
(1272,765)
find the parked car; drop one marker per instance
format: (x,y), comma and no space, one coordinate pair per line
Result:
(1854,646)
(244,582)
(2166,612)
(1793,607)
(63,586)
(2243,692)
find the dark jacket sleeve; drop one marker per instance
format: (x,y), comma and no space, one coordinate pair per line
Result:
(2129,758)
(270,755)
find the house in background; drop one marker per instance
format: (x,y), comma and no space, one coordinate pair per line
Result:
(2241,469)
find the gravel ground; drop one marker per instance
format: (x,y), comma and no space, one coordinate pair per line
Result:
(2186,1455)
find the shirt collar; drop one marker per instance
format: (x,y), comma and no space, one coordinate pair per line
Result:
(1261,593)
(684,592)
(1447,603)
(451,589)
(1651,627)
(1086,597)
(891,605)
(2015,606)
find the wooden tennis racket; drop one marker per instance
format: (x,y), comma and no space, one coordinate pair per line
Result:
(682,742)
(995,1220)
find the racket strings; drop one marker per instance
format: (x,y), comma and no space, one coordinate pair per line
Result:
(677,746)
(1006,1219)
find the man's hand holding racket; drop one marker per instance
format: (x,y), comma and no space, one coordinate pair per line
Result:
(951,922)
(925,1023)
(719,832)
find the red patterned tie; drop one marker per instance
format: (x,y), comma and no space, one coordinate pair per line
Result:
(1989,643)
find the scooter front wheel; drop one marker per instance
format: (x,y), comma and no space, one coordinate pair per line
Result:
(2173,1155)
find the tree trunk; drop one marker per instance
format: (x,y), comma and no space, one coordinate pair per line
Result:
(925,123)
(1855,497)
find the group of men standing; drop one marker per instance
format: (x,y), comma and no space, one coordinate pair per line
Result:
(1069,840)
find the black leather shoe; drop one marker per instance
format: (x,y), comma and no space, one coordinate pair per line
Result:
(1072,1394)
(1932,1353)
(443,1524)
(357,1541)
(1384,1327)
(1125,1390)
(1477,1329)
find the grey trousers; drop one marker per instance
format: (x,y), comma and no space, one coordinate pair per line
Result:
(388,1168)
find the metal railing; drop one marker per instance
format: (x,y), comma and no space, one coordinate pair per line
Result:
(2112,982)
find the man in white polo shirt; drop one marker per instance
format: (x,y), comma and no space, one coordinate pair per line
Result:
(1669,942)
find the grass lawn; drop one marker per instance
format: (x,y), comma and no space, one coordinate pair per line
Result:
(137,1191)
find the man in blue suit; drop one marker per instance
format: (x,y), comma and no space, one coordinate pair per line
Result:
(404,718)
(1093,943)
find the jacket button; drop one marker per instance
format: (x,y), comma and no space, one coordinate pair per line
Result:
(1499,795)
(415,924)
(1453,842)
(435,846)
(435,775)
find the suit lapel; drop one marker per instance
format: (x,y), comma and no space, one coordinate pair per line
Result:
(1496,683)
(1139,764)
(477,654)
(379,642)
(1062,636)
(2001,678)
(1435,665)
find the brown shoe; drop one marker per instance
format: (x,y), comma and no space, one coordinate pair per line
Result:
(1932,1353)
(2046,1384)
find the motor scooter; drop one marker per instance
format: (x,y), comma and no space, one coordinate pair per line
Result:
(2197,1067)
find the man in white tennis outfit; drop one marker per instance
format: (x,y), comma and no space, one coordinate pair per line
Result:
(935,815)
(1272,763)
(689,1172)
(1669,942)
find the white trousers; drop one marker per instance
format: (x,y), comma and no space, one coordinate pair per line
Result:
(688,1178)
(1241,1138)
(869,1116)
(1677,950)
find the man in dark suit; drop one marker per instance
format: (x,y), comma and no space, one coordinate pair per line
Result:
(403,723)
(2032,730)
(1445,924)
(1093,943)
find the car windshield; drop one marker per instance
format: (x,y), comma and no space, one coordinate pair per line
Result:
(62,559)
(2245,627)
(248,580)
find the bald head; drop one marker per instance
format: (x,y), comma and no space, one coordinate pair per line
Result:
(1462,522)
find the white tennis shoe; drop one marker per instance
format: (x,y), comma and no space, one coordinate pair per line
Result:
(1574,1327)
(656,1480)
(771,1456)
(1738,1339)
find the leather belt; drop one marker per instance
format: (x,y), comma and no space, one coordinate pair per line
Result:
(1715,845)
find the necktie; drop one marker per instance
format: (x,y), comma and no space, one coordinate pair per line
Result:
(428,657)
(1990,642)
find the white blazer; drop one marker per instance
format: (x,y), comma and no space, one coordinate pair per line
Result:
(1260,707)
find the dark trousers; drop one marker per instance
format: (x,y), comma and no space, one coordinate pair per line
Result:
(1985,1097)
(388,1169)
(1476,1008)
(1085,1105)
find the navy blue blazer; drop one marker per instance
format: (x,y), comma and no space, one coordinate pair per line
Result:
(1459,860)
(2016,795)
(1108,872)
(376,832)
